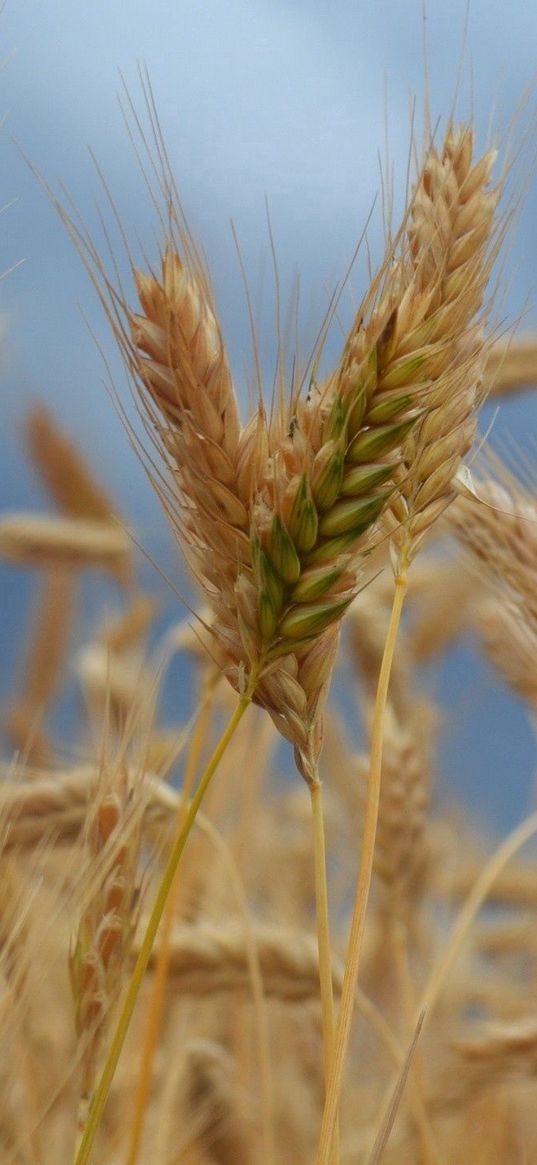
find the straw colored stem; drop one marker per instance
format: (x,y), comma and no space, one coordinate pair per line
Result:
(350,978)
(158,994)
(323,941)
(105,1082)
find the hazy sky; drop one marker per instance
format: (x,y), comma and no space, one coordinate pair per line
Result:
(283,103)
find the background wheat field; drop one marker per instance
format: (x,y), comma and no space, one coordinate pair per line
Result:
(254,1028)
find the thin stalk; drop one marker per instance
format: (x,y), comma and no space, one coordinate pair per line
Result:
(140,967)
(352,964)
(158,993)
(323,943)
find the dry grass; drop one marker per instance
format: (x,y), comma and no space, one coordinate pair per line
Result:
(249,1021)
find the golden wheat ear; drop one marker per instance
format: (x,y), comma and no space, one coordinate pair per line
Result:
(454,238)
(100,952)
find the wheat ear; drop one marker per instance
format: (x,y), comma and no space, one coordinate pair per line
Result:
(101,950)
(451,230)
(450,225)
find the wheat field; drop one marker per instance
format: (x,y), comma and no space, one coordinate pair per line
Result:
(201,962)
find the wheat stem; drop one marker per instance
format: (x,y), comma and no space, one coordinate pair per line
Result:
(350,978)
(105,1082)
(323,940)
(158,994)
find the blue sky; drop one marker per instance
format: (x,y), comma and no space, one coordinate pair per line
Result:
(275,102)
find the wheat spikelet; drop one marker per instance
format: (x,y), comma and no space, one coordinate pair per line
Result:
(176,353)
(451,235)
